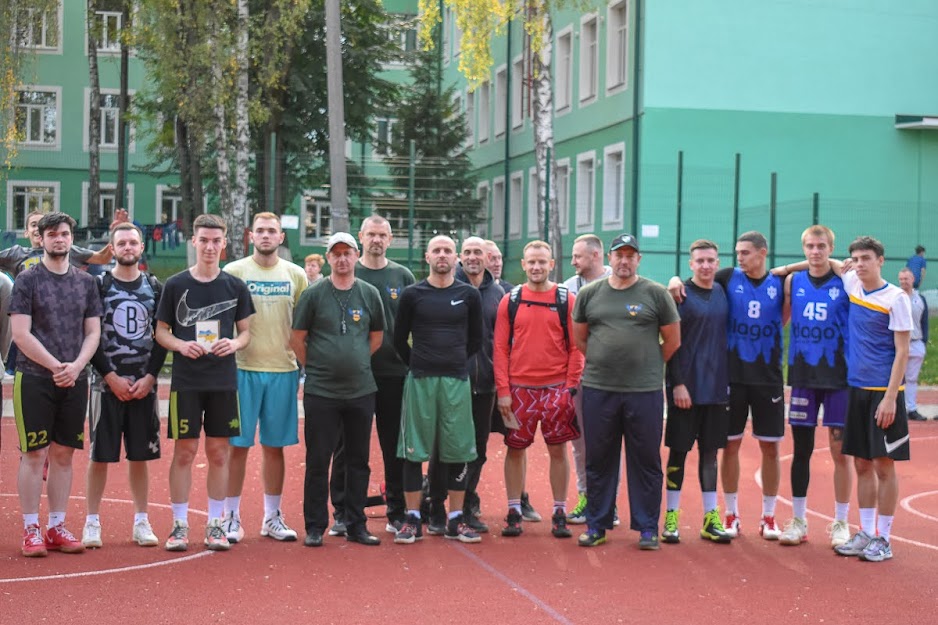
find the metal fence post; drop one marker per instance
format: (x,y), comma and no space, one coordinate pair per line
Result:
(680,210)
(547,200)
(410,205)
(773,216)
(816,209)
(736,198)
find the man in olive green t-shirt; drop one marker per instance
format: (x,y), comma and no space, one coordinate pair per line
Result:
(628,327)
(338,324)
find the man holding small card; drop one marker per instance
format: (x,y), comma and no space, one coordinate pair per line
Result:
(198,312)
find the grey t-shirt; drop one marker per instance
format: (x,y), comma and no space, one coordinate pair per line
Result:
(623,353)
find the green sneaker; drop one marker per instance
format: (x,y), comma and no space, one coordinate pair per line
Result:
(671,533)
(577,516)
(713,529)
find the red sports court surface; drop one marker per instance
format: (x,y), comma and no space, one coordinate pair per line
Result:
(532,579)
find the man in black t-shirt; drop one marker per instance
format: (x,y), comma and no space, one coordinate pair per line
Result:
(197,316)
(55,313)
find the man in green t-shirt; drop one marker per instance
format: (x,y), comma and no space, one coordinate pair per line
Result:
(337,326)
(628,327)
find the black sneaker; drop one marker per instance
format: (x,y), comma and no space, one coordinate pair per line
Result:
(475,523)
(648,540)
(558,525)
(338,528)
(456,529)
(592,538)
(512,524)
(915,416)
(411,531)
(436,524)
(527,510)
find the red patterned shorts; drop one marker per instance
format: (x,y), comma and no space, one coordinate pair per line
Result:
(551,406)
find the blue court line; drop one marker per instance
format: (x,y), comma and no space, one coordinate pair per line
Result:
(530,596)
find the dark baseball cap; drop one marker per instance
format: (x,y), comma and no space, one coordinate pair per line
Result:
(624,240)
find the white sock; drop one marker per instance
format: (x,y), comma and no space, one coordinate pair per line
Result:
(416,513)
(709,501)
(768,505)
(868,520)
(271,505)
(30,519)
(454,514)
(799,506)
(233,504)
(674,499)
(93,518)
(56,518)
(216,508)
(181,511)
(140,516)
(841,510)
(884,526)
(730,502)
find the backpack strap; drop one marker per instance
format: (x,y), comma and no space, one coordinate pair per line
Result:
(562,302)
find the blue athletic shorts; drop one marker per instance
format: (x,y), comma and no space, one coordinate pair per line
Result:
(268,399)
(806,402)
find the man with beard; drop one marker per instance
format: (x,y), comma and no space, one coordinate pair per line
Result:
(55,313)
(128,362)
(443,318)
(267,377)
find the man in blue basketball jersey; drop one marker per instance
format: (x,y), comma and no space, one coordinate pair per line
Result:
(877,429)
(754,330)
(817,374)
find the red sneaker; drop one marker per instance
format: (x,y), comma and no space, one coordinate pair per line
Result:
(33,544)
(60,539)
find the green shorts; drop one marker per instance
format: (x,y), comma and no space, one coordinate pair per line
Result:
(437,410)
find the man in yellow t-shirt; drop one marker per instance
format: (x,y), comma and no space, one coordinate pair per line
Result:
(268,377)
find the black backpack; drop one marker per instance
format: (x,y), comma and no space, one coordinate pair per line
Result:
(106,280)
(561,305)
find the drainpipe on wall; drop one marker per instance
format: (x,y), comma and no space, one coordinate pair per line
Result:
(637,113)
(507,95)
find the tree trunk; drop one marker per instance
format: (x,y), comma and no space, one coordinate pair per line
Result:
(261,169)
(336,97)
(543,121)
(94,118)
(185,175)
(222,173)
(239,195)
(195,177)
(122,126)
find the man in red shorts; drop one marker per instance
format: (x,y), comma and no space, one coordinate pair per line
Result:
(537,370)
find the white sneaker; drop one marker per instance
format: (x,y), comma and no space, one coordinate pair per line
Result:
(769,528)
(143,534)
(795,532)
(839,532)
(91,535)
(276,528)
(231,523)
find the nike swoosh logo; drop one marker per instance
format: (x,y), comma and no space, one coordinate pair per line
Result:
(456,302)
(891,447)
(775,400)
(187,317)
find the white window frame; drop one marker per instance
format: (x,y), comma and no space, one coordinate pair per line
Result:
(515,202)
(106,38)
(42,48)
(470,99)
(562,201)
(161,191)
(375,146)
(498,208)
(110,187)
(482,228)
(322,201)
(446,25)
(563,84)
(613,186)
(38,145)
(131,130)
(517,93)
(484,99)
(534,227)
(615,63)
(586,214)
(55,185)
(587,95)
(501,100)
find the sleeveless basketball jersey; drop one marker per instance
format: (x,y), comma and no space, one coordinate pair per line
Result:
(817,351)
(755,329)
(127,326)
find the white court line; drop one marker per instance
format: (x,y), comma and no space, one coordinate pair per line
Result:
(906,505)
(758,478)
(123,569)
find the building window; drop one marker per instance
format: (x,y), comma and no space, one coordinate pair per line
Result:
(514,206)
(25,197)
(585,190)
(563,84)
(589,57)
(317,219)
(470,119)
(617,46)
(384,134)
(169,204)
(109,25)
(447,27)
(498,208)
(613,185)
(110,113)
(103,215)
(38,30)
(482,193)
(485,108)
(534,224)
(517,93)
(501,100)
(37,117)
(562,204)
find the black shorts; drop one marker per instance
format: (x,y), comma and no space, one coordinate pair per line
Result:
(708,424)
(768,411)
(864,439)
(218,412)
(46,413)
(137,422)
